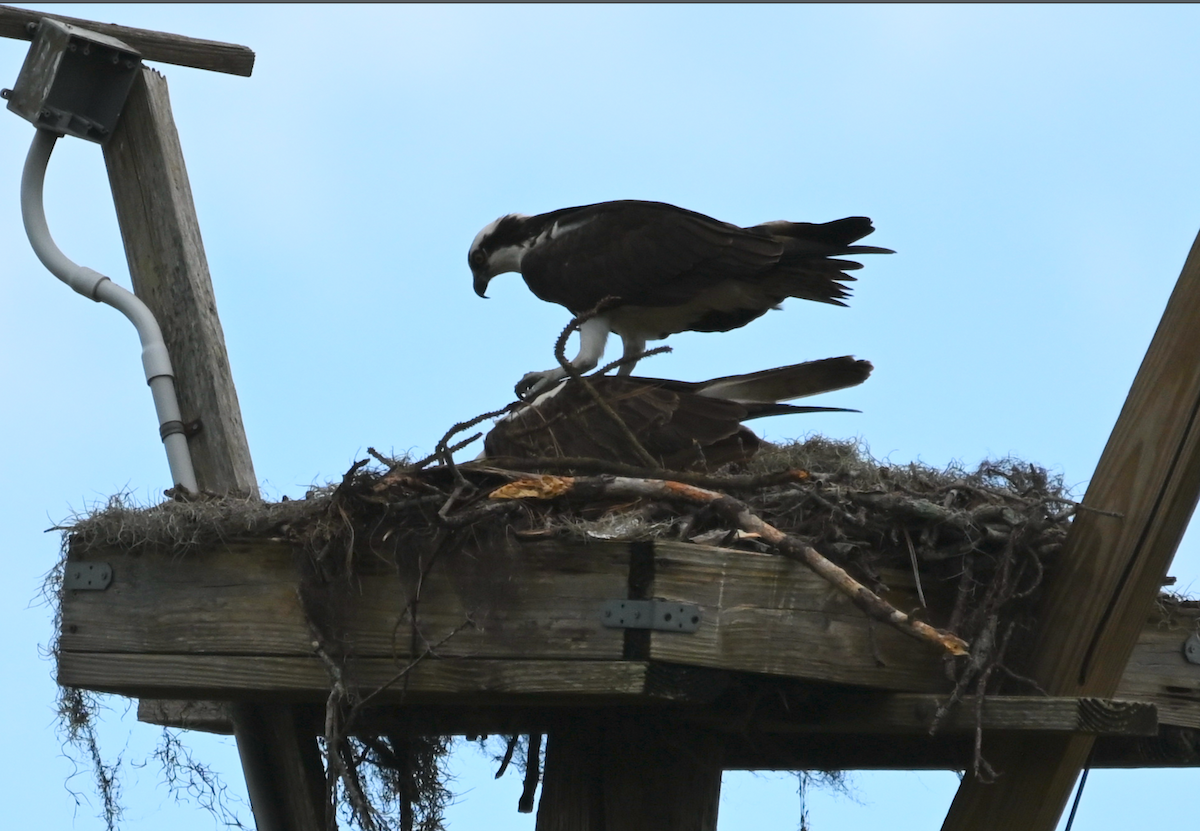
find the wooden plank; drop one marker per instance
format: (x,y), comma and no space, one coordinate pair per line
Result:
(753,749)
(1156,675)
(1173,747)
(535,601)
(761,613)
(541,601)
(606,772)
(950,752)
(910,713)
(154,46)
(184,714)
(848,713)
(1108,574)
(748,747)
(161,233)
(1157,671)
(304,679)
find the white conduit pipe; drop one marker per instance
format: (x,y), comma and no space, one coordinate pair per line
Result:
(93,285)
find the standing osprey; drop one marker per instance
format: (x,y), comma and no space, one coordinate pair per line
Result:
(681,424)
(672,270)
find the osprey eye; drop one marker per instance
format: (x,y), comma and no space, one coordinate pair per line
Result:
(478,257)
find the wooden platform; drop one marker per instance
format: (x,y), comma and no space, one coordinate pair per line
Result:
(512,639)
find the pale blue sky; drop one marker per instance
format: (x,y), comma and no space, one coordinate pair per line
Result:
(1035,168)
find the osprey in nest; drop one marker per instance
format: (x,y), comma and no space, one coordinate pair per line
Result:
(681,424)
(669,270)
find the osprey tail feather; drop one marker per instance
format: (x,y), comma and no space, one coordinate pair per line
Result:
(785,383)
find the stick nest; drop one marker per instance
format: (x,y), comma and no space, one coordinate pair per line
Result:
(975,543)
(857,511)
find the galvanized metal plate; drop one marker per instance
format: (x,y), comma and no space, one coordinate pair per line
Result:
(87,576)
(1191,649)
(660,615)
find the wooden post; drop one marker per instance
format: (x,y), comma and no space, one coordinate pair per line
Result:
(630,773)
(1109,572)
(170,274)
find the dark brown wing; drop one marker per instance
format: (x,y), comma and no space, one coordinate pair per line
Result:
(646,253)
(703,433)
(681,424)
(567,423)
(674,428)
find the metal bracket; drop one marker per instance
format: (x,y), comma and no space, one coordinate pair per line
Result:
(662,615)
(74,81)
(87,577)
(1191,649)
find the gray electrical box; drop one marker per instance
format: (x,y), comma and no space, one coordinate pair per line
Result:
(74,81)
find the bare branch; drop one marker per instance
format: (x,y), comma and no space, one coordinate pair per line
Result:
(508,754)
(595,466)
(631,359)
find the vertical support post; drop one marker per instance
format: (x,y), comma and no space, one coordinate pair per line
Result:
(630,773)
(1109,573)
(170,274)
(166,258)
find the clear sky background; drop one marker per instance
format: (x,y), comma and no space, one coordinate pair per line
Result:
(1035,167)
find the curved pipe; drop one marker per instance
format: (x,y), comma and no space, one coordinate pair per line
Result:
(155,360)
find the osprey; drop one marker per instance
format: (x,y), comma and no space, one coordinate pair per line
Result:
(682,424)
(671,270)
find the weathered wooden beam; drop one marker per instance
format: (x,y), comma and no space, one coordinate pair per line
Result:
(161,233)
(1158,671)
(154,46)
(1108,574)
(1173,747)
(282,765)
(539,600)
(768,614)
(184,714)
(608,772)
(851,714)
(479,682)
(169,270)
(243,677)
(908,713)
(535,601)
(542,601)
(749,748)
(1172,692)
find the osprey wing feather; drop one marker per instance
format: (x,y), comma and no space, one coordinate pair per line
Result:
(644,253)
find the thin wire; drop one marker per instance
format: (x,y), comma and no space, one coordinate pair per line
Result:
(1079,790)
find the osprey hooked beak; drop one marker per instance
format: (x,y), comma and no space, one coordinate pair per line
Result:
(481,283)
(481,272)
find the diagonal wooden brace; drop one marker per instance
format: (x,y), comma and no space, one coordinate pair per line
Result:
(1109,573)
